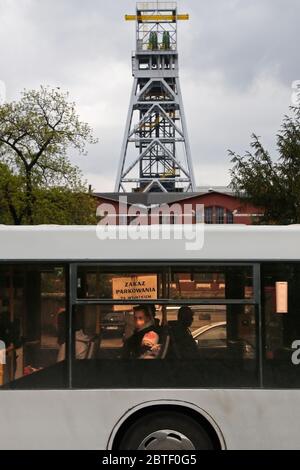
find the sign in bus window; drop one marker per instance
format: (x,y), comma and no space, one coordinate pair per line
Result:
(95,283)
(281,297)
(134,287)
(215,282)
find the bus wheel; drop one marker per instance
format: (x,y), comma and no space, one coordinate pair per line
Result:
(166,431)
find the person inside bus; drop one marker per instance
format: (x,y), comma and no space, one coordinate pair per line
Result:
(130,324)
(82,341)
(10,336)
(153,311)
(144,342)
(183,343)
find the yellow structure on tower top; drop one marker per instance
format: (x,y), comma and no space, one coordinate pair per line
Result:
(157,18)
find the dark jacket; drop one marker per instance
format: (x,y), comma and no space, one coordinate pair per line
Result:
(133,347)
(183,345)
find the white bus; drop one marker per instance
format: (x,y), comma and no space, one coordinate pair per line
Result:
(225,372)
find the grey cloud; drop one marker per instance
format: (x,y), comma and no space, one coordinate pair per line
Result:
(238,59)
(243,38)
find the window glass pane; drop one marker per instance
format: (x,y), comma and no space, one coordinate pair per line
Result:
(32,302)
(213,337)
(208,215)
(164,346)
(100,283)
(219,215)
(281,300)
(229,216)
(217,282)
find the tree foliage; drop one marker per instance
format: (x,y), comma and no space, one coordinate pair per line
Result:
(11,196)
(36,134)
(268,182)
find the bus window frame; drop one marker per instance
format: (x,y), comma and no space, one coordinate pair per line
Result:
(166,271)
(66,265)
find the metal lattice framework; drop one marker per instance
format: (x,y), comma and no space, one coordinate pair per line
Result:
(156,126)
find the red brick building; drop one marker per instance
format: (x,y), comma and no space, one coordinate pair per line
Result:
(221,206)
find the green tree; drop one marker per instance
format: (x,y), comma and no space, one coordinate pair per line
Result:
(35,136)
(272,183)
(11,196)
(53,205)
(63,206)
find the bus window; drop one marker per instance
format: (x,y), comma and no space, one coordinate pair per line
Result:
(212,282)
(108,331)
(123,341)
(32,302)
(227,332)
(94,282)
(281,309)
(173,346)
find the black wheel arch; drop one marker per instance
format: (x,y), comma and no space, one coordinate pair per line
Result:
(198,415)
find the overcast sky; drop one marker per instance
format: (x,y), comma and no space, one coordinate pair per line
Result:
(238,59)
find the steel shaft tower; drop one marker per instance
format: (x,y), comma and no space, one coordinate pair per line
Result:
(155,153)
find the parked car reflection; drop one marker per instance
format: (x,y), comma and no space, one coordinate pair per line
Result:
(113,324)
(214,336)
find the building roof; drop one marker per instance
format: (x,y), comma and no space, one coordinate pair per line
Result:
(216,189)
(149,199)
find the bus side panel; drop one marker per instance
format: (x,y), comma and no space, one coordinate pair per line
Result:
(247,419)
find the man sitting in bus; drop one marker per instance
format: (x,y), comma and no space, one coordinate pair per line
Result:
(183,345)
(144,342)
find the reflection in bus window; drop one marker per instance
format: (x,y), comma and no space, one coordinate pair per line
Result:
(216,282)
(211,336)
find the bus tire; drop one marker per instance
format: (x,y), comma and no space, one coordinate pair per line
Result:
(165,431)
